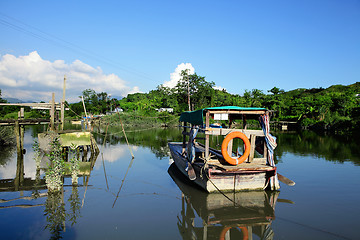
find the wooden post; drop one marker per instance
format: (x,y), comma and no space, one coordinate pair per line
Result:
(230,148)
(252,147)
(86,119)
(184,138)
(250,231)
(52,113)
(207,137)
(19,178)
(21,114)
(205,230)
(188,89)
(63,105)
(85,153)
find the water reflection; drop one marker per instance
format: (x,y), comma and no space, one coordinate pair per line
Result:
(22,185)
(6,153)
(55,214)
(332,148)
(154,138)
(147,195)
(240,215)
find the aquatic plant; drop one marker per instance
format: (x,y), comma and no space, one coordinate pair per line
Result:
(55,171)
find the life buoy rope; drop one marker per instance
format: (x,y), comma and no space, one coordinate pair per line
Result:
(244,231)
(225,143)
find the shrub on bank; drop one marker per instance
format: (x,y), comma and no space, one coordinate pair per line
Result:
(135,119)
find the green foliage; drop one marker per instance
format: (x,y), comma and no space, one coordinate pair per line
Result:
(141,119)
(325,108)
(95,103)
(55,171)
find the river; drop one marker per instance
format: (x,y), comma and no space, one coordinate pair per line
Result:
(146,198)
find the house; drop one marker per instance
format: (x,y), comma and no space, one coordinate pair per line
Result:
(169,110)
(116,110)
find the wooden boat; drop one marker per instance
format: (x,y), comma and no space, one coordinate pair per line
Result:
(215,170)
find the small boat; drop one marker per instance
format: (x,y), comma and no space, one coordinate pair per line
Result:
(248,166)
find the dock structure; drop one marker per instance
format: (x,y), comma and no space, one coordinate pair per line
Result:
(283,125)
(52,106)
(83,140)
(19,125)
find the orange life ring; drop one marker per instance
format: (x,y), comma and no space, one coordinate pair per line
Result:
(244,231)
(225,143)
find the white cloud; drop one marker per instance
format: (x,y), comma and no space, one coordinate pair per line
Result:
(219,88)
(32,78)
(176,75)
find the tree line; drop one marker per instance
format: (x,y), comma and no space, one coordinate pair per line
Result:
(334,108)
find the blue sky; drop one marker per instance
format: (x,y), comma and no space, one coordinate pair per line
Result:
(129,46)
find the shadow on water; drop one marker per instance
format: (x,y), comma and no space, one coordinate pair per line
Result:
(239,215)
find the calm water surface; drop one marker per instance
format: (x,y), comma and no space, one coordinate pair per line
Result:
(145,198)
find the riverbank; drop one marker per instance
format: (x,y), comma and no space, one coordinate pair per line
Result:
(138,119)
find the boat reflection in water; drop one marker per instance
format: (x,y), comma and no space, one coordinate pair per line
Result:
(239,215)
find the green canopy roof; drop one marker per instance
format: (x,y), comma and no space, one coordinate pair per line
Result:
(196,117)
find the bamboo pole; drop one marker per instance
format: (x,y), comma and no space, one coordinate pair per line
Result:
(19,178)
(63,105)
(52,112)
(18,147)
(207,137)
(86,118)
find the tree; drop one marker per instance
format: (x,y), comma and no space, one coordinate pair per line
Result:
(201,92)
(276,90)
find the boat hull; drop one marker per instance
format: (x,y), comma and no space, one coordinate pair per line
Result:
(212,178)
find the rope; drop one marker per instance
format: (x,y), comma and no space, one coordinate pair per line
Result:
(122,183)
(130,131)
(102,157)
(125,136)
(72,110)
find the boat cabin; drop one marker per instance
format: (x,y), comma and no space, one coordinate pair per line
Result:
(227,169)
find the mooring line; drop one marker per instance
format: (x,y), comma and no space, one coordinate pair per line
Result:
(102,157)
(313,228)
(125,136)
(122,183)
